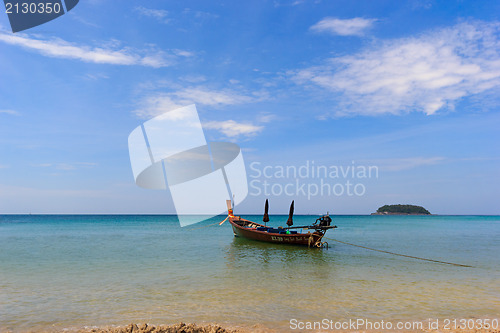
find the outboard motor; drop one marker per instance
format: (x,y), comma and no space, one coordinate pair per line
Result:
(324,221)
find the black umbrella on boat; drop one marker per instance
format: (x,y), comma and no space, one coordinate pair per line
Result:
(290,215)
(266,210)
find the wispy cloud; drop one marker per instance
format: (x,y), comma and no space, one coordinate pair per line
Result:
(42,193)
(83,20)
(193,78)
(427,73)
(158,14)
(212,97)
(157,103)
(11,112)
(266,117)
(66,166)
(349,27)
(291,3)
(232,129)
(162,102)
(183,53)
(199,15)
(421,4)
(399,164)
(110,54)
(96,76)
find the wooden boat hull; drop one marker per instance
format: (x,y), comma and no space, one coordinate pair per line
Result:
(247,229)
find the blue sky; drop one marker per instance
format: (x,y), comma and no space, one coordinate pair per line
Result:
(411,87)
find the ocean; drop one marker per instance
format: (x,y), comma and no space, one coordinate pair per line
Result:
(75,271)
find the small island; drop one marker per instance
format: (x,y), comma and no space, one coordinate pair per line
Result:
(401,210)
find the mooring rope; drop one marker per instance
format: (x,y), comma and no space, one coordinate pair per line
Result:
(399,254)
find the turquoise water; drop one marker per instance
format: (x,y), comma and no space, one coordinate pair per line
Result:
(73,271)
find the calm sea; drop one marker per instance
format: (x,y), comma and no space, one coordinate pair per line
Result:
(73,271)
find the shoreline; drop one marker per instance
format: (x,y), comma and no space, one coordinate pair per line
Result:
(257,328)
(216,328)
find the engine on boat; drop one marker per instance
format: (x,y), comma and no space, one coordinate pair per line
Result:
(323,221)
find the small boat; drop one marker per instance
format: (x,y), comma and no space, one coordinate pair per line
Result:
(281,235)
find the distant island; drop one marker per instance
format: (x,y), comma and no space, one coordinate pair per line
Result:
(401,210)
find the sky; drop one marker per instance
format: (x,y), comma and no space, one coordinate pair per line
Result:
(406,89)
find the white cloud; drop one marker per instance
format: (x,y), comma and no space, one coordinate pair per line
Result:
(266,117)
(158,59)
(183,53)
(349,27)
(66,166)
(205,96)
(83,20)
(399,164)
(157,104)
(291,3)
(11,112)
(162,102)
(426,73)
(193,78)
(199,15)
(232,129)
(159,14)
(165,103)
(59,48)
(421,4)
(96,76)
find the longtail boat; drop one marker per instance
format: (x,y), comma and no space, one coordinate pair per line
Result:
(281,235)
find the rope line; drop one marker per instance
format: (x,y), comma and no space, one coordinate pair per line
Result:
(399,254)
